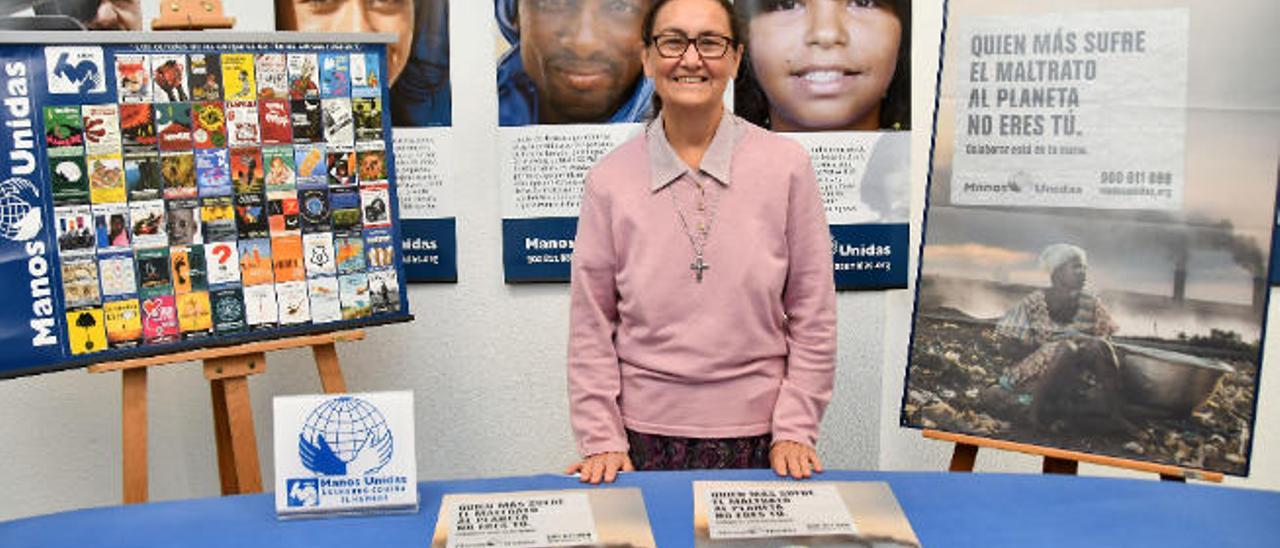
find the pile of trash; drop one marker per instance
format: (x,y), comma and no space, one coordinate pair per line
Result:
(953,361)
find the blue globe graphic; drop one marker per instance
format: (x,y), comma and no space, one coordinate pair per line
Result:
(348,424)
(19,218)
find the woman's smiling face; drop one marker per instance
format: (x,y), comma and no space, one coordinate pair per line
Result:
(692,80)
(824,64)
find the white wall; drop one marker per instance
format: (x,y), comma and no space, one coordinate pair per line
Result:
(485,360)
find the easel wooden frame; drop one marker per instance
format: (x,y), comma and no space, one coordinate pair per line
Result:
(227,369)
(191,15)
(1058,461)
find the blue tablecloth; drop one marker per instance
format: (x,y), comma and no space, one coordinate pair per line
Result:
(944,510)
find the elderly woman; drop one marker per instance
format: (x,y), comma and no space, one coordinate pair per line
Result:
(702,320)
(1066,331)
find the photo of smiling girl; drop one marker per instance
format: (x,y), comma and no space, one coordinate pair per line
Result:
(825,65)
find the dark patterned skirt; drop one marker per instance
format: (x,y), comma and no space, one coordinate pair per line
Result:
(655,452)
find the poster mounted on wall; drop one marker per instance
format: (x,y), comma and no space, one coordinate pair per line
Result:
(151,232)
(557,117)
(849,106)
(846,97)
(1101,204)
(420,107)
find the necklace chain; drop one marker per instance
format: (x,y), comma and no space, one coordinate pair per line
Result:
(697,238)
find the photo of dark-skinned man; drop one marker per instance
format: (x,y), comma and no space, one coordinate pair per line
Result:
(571,62)
(417,62)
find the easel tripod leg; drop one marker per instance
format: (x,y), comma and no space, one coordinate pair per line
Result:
(243,444)
(134,434)
(1054,465)
(327,365)
(963,457)
(222,437)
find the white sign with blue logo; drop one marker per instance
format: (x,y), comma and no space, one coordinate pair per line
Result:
(343,454)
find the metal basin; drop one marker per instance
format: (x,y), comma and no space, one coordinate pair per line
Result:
(1166,383)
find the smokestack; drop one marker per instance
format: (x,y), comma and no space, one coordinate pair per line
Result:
(1260,288)
(1180,280)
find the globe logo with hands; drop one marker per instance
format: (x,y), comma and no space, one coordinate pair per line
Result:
(345,436)
(19,218)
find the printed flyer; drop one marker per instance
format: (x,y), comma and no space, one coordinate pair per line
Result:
(597,517)
(750,514)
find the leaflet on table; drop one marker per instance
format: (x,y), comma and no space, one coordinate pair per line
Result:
(426,176)
(542,171)
(595,517)
(785,513)
(864,180)
(345,454)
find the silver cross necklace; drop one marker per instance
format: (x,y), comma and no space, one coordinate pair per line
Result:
(697,238)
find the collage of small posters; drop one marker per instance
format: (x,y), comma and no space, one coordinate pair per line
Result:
(1093,274)
(179,192)
(595,517)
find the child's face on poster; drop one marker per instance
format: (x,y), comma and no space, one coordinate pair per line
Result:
(824,64)
(394,16)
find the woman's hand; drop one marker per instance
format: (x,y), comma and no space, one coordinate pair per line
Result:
(601,466)
(794,459)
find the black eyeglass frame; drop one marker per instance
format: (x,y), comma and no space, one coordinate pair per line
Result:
(729,43)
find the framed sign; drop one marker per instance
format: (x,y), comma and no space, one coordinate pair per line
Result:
(169,191)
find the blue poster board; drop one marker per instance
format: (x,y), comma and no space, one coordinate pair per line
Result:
(202,191)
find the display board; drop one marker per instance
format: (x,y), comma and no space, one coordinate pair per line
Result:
(169,191)
(1100,210)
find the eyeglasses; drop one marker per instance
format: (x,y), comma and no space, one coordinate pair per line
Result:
(672,45)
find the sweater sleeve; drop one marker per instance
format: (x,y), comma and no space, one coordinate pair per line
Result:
(594,375)
(809,301)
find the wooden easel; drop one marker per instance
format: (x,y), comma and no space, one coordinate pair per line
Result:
(227,369)
(1059,461)
(191,15)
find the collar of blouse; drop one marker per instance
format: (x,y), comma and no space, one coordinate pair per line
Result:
(666,166)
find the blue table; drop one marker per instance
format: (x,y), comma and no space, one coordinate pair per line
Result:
(944,510)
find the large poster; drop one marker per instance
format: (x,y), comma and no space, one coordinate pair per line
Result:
(162,196)
(846,98)
(836,77)
(421,111)
(562,104)
(1101,204)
